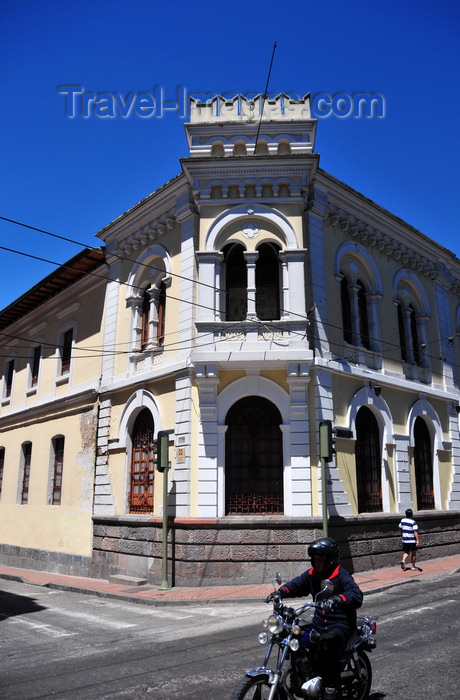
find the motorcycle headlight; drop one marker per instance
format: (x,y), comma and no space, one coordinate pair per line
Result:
(263,638)
(296,629)
(275,624)
(294,644)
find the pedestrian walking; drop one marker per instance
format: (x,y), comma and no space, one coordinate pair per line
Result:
(410,540)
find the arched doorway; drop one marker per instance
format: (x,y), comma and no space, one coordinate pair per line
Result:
(142,464)
(423,466)
(253,458)
(368,462)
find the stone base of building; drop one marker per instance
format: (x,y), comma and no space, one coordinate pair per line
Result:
(230,551)
(44,560)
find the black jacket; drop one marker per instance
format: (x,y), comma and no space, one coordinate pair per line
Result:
(344,615)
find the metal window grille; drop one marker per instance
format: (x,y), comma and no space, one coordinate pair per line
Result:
(27,454)
(368,463)
(254,459)
(423,466)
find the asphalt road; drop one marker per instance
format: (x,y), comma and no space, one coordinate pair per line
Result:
(69,646)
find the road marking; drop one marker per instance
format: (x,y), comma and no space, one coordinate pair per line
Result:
(96,619)
(40,627)
(411,611)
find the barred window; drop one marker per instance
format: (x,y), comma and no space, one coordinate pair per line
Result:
(25,472)
(423,466)
(254,458)
(143,458)
(57,447)
(368,462)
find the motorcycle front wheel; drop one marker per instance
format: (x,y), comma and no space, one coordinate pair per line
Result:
(255,688)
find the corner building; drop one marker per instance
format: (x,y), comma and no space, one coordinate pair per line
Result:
(248,299)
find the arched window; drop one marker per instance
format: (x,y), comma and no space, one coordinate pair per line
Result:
(423,466)
(253,458)
(346,311)
(414,334)
(236,282)
(153,311)
(368,462)
(56,471)
(161,315)
(402,333)
(355,319)
(24,482)
(142,464)
(65,349)
(363,317)
(145,327)
(268,283)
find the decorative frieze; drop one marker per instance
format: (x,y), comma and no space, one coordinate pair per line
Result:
(150,232)
(387,245)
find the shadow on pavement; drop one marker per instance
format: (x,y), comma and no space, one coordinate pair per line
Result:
(12,604)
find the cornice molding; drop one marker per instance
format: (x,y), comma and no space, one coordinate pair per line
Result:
(388,245)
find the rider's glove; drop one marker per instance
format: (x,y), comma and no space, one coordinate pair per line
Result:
(281,592)
(332,603)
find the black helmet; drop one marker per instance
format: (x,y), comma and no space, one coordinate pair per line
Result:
(328,547)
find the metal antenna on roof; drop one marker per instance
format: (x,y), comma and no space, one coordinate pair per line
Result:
(265,95)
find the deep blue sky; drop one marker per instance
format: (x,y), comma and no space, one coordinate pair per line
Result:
(73,176)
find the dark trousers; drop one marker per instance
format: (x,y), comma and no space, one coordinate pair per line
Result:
(330,645)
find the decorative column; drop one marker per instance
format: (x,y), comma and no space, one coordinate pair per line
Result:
(251,259)
(355,328)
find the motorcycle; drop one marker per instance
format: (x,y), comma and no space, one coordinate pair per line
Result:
(294,644)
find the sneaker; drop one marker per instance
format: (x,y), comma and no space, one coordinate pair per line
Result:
(415,568)
(403,566)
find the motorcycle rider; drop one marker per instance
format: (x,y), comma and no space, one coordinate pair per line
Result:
(336,620)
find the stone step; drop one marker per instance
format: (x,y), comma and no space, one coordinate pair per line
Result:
(127,580)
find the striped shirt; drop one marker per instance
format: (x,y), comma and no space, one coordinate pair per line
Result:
(408,526)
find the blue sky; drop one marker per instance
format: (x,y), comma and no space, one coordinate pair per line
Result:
(73,176)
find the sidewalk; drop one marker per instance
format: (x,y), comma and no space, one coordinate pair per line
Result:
(369,581)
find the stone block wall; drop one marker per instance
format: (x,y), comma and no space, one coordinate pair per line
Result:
(229,551)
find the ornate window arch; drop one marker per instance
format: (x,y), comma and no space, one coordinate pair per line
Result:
(271,241)
(366,397)
(147,298)
(257,387)
(426,439)
(139,424)
(253,458)
(413,315)
(360,290)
